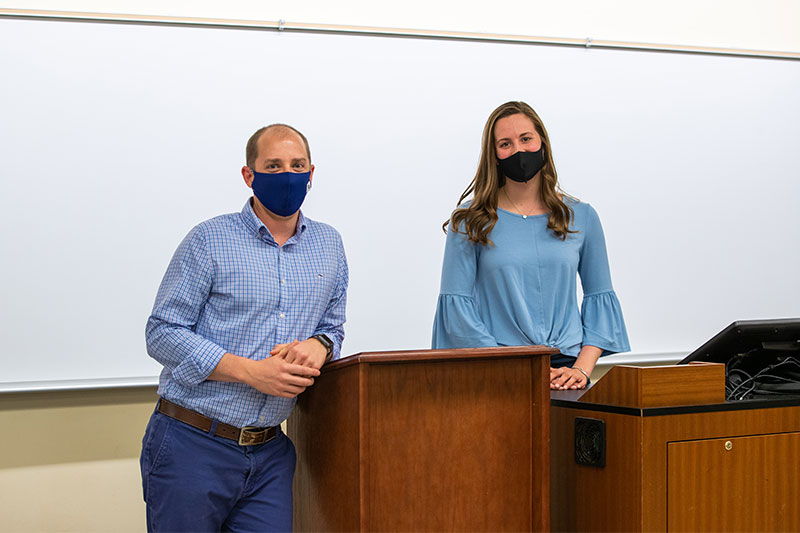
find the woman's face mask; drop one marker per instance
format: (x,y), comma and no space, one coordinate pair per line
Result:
(522,166)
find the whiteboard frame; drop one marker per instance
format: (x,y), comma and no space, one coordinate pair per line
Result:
(281,25)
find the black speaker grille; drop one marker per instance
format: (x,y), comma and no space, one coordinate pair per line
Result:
(590,442)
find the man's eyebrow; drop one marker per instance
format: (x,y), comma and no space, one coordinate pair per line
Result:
(279,160)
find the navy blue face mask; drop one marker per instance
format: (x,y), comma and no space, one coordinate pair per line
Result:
(283,192)
(522,166)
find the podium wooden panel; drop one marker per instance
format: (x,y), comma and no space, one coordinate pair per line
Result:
(678,457)
(432,440)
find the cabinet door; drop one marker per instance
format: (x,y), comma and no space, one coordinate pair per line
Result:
(734,484)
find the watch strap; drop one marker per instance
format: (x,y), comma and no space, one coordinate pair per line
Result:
(326,342)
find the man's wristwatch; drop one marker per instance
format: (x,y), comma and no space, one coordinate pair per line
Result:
(327,343)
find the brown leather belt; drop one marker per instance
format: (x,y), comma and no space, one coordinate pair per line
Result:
(246,436)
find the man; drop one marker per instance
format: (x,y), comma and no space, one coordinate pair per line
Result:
(250,308)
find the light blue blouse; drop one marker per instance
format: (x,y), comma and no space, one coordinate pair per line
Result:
(523,290)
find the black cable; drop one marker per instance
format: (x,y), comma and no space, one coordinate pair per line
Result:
(789,361)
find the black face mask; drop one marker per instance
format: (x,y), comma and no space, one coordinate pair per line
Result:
(522,166)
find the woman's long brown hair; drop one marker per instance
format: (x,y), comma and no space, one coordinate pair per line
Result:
(480,216)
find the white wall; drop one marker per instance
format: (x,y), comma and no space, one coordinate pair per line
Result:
(763,25)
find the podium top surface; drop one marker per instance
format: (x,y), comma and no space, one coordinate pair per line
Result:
(661,390)
(459,354)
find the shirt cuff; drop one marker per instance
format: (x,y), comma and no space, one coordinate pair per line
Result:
(199,365)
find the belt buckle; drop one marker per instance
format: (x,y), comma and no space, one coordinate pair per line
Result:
(252,435)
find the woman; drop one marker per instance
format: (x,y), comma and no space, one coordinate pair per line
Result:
(508,276)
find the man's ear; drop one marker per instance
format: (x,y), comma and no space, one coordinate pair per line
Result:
(248,176)
(311,175)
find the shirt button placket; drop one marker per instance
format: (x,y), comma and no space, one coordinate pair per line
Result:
(282,289)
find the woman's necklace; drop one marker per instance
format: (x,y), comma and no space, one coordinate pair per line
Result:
(521,212)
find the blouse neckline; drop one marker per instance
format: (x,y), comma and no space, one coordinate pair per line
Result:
(521,216)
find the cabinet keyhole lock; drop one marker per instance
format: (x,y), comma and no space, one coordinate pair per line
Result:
(728,445)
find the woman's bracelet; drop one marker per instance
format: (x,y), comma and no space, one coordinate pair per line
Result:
(582,371)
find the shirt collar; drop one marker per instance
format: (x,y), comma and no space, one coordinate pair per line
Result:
(302,224)
(255,226)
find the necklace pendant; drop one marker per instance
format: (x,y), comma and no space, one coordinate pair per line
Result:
(524,216)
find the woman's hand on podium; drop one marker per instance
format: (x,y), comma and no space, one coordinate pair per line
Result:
(566,378)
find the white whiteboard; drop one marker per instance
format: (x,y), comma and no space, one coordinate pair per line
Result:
(116,139)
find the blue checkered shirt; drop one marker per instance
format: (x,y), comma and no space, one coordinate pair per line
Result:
(231,288)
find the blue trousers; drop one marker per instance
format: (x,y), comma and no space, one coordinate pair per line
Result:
(195,481)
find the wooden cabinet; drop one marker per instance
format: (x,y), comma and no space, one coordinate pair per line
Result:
(709,480)
(677,456)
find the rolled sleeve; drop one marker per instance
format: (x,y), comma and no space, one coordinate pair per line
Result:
(170,332)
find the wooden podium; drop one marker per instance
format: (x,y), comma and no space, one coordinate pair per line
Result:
(677,456)
(432,440)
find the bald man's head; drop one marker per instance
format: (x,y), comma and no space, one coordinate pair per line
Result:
(279,132)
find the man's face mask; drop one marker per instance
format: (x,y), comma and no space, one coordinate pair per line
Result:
(283,192)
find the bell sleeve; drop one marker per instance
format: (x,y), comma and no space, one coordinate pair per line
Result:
(601,313)
(457,323)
